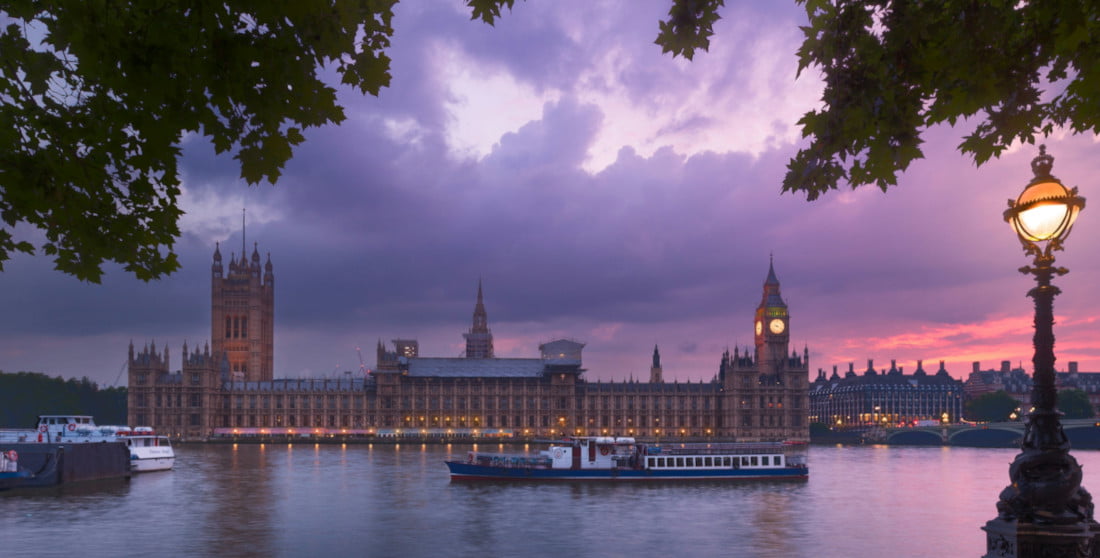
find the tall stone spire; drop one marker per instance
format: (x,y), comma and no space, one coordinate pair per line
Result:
(481,319)
(772,326)
(479,340)
(656,374)
(243,243)
(216,267)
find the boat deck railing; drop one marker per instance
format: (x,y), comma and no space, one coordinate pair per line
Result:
(520,461)
(732,448)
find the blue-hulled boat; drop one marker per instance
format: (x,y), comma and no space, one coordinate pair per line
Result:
(11,475)
(617,458)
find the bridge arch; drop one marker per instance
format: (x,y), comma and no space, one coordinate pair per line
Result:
(915,437)
(986,437)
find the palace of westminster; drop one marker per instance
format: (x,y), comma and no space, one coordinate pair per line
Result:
(762,393)
(228,385)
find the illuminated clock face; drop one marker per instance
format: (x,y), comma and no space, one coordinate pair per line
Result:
(777,326)
(759,327)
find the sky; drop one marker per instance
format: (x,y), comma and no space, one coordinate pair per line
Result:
(600,191)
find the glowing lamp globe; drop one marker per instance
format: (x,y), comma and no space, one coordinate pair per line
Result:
(1046,210)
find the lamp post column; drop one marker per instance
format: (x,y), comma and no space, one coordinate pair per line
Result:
(1044,511)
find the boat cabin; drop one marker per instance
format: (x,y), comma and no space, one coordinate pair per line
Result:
(594,452)
(68,428)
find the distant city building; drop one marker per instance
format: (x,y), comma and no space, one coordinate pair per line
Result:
(885,398)
(1017,382)
(756,395)
(1008,379)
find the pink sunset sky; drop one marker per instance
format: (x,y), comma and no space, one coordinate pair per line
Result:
(601,191)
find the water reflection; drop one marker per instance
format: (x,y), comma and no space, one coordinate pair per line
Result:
(384,500)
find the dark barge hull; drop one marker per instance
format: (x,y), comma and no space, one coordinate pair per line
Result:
(51,464)
(469,471)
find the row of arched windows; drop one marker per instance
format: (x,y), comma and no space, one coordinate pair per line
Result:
(236,327)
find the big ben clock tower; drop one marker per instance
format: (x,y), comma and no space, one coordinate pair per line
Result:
(772,327)
(765,394)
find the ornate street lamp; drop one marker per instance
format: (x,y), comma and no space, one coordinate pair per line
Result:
(1044,511)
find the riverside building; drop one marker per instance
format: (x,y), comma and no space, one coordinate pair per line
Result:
(885,398)
(758,394)
(1017,382)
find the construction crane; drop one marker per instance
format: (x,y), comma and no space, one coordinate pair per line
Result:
(362,365)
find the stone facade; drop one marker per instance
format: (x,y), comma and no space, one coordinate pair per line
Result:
(242,316)
(1017,382)
(885,397)
(757,395)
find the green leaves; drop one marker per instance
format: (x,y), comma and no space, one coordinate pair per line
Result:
(95,95)
(689,26)
(488,10)
(991,407)
(1074,403)
(893,69)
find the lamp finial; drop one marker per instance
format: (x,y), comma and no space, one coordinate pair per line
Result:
(1042,164)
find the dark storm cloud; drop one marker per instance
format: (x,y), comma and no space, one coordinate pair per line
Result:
(401,233)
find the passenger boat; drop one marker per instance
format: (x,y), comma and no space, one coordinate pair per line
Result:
(617,458)
(148,450)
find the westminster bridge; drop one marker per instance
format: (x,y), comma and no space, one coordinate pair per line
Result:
(1082,434)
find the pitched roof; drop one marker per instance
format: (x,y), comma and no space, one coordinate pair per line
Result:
(476,367)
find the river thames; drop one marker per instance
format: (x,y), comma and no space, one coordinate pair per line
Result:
(384,500)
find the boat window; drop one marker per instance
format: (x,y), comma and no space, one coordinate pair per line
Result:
(726,461)
(744,461)
(708,462)
(764,460)
(752,461)
(698,461)
(779,460)
(679,461)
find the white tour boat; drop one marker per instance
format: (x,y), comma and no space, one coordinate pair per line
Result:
(148,450)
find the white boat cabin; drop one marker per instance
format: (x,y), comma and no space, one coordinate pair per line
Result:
(603,452)
(596,452)
(65,428)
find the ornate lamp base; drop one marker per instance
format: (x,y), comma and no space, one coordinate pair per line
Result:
(1014,539)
